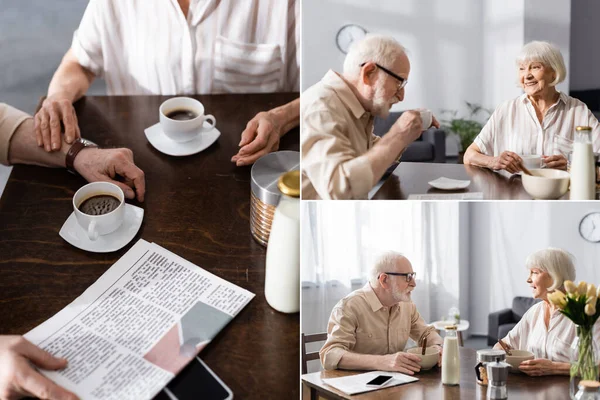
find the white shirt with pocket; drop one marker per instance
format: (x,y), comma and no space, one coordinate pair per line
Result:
(552,343)
(224,46)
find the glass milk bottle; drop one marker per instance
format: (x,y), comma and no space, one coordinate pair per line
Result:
(450,360)
(583,168)
(282,271)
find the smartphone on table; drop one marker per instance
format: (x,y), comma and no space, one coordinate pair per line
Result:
(380,381)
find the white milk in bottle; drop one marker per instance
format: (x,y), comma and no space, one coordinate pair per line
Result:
(583,166)
(282,271)
(450,358)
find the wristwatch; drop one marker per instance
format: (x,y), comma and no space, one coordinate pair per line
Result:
(78,145)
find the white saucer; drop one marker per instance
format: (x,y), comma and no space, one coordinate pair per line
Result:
(449,184)
(73,233)
(162,143)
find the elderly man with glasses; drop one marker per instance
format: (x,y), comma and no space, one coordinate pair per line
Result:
(369,328)
(341,157)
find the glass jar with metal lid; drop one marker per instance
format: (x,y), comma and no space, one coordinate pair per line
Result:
(265,193)
(483,358)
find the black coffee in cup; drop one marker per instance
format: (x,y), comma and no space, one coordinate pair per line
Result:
(99,205)
(181,114)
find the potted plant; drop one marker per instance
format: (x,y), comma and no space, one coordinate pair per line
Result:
(466,128)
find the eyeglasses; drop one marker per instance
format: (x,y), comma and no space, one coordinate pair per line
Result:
(402,80)
(409,275)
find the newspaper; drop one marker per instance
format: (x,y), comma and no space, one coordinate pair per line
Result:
(138,325)
(354,384)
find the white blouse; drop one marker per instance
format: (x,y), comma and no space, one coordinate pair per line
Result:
(224,46)
(553,343)
(515,127)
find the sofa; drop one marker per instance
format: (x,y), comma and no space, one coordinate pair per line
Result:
(501,322)
(429,147)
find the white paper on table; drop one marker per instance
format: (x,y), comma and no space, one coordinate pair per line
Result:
(355,384)
(447,196)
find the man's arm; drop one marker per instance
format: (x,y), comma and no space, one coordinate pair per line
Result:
(91,163)
(335,169)
(263,132)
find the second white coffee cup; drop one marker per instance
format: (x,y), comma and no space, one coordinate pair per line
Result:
(532,161)
(96,225)
(185,130)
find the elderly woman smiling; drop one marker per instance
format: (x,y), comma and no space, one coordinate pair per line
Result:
(543,330)
(529,124)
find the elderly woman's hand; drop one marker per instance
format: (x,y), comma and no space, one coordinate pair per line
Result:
(507,160)
(556,161)
(538,367)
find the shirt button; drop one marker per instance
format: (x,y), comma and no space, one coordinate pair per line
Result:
(384,308)
(370,335)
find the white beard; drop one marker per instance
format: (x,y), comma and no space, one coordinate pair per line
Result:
(381,105)
(400,296)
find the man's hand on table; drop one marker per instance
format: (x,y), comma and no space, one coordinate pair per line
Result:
(260,137)
(54,110)
(405,363)
(508,160)
(18,377)
(105,164)
(557,162)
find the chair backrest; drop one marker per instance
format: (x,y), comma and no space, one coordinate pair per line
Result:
(521,305)
(306,357)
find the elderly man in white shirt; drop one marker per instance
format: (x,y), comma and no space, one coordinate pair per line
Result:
(535,122)
(544,330)
(181,47)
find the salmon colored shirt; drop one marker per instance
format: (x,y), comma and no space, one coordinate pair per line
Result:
(10,120)
(359,323)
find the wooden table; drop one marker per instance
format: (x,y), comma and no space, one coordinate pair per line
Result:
(429,386)
(411,178)
(196,206)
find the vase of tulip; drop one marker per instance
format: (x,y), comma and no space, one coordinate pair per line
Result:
(581,305)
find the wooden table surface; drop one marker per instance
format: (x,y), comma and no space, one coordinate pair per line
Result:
(195,206)
(429,386)
(412,178)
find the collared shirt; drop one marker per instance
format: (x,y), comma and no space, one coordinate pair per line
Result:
(359,323)
(224,46)
(552,343)
(10,120)
(515,127)
(336,132)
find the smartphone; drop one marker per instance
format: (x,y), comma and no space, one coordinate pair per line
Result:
(379,381)
(196,381)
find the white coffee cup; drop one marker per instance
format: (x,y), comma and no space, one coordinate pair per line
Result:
(531,161)
(426,118)
(184,130)
(96,225)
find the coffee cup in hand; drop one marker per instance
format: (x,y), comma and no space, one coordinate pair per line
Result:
(531,161)
(426,118)
(99,208)
(182,119)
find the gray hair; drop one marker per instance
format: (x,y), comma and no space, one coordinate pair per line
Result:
(546,53)
(379,49)
(558,263)
(384,263)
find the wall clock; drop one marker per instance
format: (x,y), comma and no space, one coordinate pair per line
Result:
(347,35)
(589,227)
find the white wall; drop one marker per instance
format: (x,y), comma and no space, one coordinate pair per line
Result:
(584,57)
(501,237)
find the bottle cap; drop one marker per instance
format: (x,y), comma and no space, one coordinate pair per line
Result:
(289,183)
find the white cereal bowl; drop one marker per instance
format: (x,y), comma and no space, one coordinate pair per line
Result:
(429,360)
(546,184)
